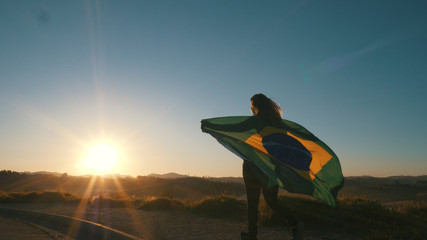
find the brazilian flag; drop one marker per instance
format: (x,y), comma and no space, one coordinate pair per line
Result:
(290,156)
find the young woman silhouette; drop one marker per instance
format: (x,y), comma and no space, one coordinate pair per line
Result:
(270,113)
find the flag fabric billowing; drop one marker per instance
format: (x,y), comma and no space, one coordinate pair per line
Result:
(290,156)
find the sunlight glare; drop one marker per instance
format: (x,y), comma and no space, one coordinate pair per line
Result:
(101,158)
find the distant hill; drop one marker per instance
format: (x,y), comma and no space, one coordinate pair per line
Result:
(173,175)
(390,180)
(142,186)
(170,175)
(45,172)
(386,190)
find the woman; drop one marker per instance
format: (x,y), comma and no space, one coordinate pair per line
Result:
(266,110)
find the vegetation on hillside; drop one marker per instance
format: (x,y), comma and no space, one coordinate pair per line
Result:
(358,216)
(363,208)
(390,189)
(38,197)
(384,190)
(194,188)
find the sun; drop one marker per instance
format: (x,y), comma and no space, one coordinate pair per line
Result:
(101,159)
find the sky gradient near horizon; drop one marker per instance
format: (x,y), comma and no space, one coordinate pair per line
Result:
(141,75)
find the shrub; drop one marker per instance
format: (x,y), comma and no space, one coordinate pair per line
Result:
(38,197)
(417,210)
(220,206)
(4,197)
(161,203)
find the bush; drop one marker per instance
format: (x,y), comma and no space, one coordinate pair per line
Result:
(161,203)
(4,197)
(221,206)
(417,210)
(38,197)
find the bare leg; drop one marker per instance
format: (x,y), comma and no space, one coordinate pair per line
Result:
(253,192)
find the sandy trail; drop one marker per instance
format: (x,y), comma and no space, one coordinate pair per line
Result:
(153,225)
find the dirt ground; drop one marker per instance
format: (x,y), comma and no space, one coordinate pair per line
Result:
(168,224)
(19,230)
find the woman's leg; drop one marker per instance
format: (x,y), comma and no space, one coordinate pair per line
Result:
(253,191)
(270,196)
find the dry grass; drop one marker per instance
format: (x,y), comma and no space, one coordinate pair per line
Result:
(38,197)
(356,215)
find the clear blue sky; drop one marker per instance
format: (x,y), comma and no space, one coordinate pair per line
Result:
(141,74)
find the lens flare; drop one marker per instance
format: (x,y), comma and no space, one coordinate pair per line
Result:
(101,158)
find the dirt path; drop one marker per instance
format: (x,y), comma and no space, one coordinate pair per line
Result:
(17,230)
(174,225)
